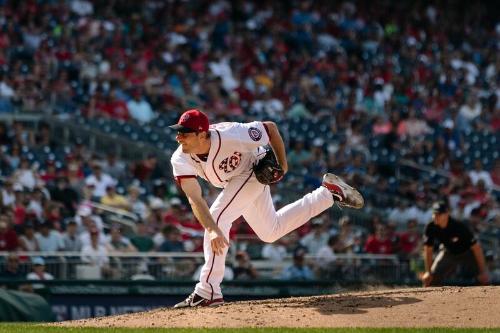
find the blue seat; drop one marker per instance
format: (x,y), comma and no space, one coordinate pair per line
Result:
(127,129)
(154,137)
(161,123)
(106,128)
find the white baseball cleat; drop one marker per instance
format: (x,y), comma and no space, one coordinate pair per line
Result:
(344,195)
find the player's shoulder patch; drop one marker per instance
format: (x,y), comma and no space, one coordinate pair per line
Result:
(255,133)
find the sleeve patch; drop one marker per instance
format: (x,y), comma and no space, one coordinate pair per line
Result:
(255,133)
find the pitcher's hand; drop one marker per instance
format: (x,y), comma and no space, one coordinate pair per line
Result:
(218,241)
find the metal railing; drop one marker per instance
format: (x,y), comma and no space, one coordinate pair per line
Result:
(115,215)
(184,265)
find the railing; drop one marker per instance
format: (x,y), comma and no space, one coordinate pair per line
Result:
(116,215)
(430,170)
(182,265)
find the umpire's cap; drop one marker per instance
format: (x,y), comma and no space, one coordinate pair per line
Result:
(192,121)
(440,206)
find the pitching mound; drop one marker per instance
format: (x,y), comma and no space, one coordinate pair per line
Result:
(433,307)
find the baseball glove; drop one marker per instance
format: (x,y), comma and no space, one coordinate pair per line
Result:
(267,170)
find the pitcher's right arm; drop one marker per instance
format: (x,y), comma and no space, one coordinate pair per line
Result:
(192,189)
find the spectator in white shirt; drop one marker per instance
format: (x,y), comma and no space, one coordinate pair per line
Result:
(82,7)
(25,175)
(96,254)
(471,109)
(326,255)
(39,273)
(6,90)
(274,251)
(85,236)
(71,240)
(479,173)
(7,194)
(419,211)
(99,180)
(49,240)
(137,205)
(327,263)
(399,214)
(84,219)
(36,203)
(139,109)
(316,238)
(114,167)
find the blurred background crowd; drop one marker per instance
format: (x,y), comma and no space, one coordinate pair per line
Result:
(400,98)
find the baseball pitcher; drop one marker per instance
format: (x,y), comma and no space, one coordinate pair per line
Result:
(232,156)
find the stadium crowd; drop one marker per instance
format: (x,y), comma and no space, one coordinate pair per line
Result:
(399,86)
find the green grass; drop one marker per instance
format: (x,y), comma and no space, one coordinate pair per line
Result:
(30,328)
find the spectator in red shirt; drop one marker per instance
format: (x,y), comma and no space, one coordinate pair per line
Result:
(50,173)
(183,220)
(20,206)
(495,120)
(495,173)
(379,243)
(148,169)
(409,240)
(8,237)
(173,215)
(114,107)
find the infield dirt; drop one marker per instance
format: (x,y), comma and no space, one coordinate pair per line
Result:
(418,307)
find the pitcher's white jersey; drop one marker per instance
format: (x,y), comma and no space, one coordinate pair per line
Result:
(233,150)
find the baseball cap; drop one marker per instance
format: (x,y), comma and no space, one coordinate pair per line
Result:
(192,121)
(38,261)
(440,206)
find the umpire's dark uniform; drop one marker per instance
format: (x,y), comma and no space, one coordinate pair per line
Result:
(455,250)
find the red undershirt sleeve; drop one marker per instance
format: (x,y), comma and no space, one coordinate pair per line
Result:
(178,179)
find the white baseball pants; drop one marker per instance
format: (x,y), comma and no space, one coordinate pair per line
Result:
(244,195)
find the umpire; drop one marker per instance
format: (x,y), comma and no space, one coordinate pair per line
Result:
(458,248)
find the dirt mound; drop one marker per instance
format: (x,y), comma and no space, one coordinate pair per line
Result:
(433,307)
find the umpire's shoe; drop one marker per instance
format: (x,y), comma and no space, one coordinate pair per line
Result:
(343,194)
(196,300)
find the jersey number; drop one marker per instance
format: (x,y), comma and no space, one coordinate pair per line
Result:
(230,163)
